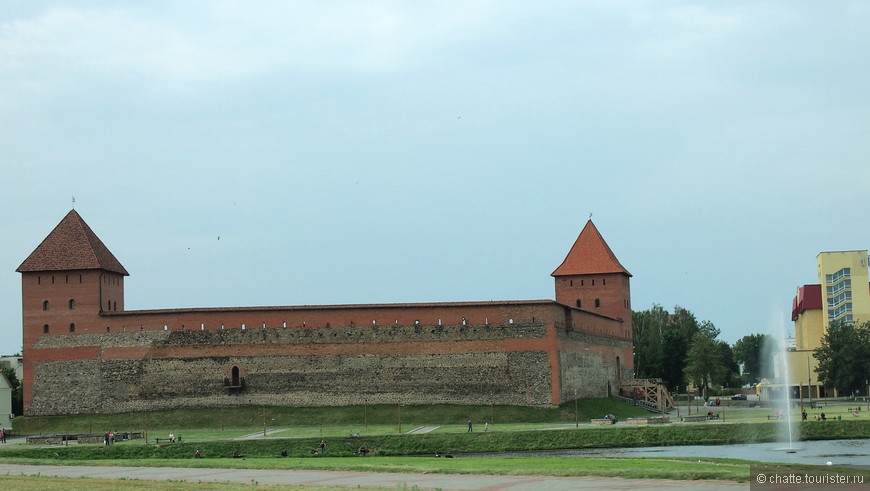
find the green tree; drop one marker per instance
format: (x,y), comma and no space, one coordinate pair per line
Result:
(678,336)
(704,362)
(730,376)
(661,342)
(749,350)
(844,356)
(648,327)
(17,400)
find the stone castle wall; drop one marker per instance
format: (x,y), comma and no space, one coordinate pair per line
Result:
(460,364)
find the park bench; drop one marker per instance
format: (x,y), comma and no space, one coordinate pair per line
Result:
(647,421)
(167,440)
(603,421)
(694,419)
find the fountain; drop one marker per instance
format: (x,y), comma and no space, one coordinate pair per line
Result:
(778,354)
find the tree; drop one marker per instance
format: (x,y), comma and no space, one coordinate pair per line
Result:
(17,400)
(749,351)
(704,359)
(844,357)
(648,326)
(730,376)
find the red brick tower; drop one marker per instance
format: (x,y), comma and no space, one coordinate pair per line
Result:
(66,282)
(591,278)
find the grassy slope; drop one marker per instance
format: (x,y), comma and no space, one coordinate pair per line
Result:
(353,417)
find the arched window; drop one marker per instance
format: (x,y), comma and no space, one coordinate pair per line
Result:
(45,329)
(72,327)
(236,380)
(597,303)
(72,304)
(45,305)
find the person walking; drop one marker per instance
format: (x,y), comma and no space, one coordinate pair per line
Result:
(469,427)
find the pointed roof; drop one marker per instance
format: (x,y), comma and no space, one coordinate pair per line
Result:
(589,255)
(71,245)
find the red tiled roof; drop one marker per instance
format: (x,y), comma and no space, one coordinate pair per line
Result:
(71,245)
(589,255)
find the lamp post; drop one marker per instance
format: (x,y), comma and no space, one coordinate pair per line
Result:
(399,412)
(576,411)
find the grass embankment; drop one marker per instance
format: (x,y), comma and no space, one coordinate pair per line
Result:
(429,443)
(353,419)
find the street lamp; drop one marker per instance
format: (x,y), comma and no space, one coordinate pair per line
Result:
(576,411)
(399,410)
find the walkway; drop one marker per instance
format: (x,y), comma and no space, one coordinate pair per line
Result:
(366,479)
(423,429)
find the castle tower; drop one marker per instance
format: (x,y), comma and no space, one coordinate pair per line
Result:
(66,282)
(592,279)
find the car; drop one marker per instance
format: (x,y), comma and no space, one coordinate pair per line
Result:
(738,397)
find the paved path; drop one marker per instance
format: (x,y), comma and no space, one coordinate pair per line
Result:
(423,429)
(366,479)
(260,434)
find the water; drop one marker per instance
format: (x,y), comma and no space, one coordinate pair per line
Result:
(784,399)
(816,452)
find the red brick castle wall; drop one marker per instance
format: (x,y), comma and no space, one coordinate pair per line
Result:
(94,356)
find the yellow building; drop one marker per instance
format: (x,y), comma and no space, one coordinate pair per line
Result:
(843,293)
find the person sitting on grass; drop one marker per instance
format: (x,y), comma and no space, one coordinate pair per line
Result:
(197,455)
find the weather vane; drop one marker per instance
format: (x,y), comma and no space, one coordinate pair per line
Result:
(74,202)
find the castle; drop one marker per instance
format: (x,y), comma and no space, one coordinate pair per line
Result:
(84,353)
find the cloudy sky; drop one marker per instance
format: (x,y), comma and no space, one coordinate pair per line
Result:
(357,152)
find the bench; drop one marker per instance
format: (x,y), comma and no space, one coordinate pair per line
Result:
(167,440)
(647,421)
(694,419)
(603,421)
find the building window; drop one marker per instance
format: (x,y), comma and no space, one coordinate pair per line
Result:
(578,303)
(597,303)
(45,329)
(72,327)
(45,305)
(72,304)
(846,296)
(839,275)
(839,287)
